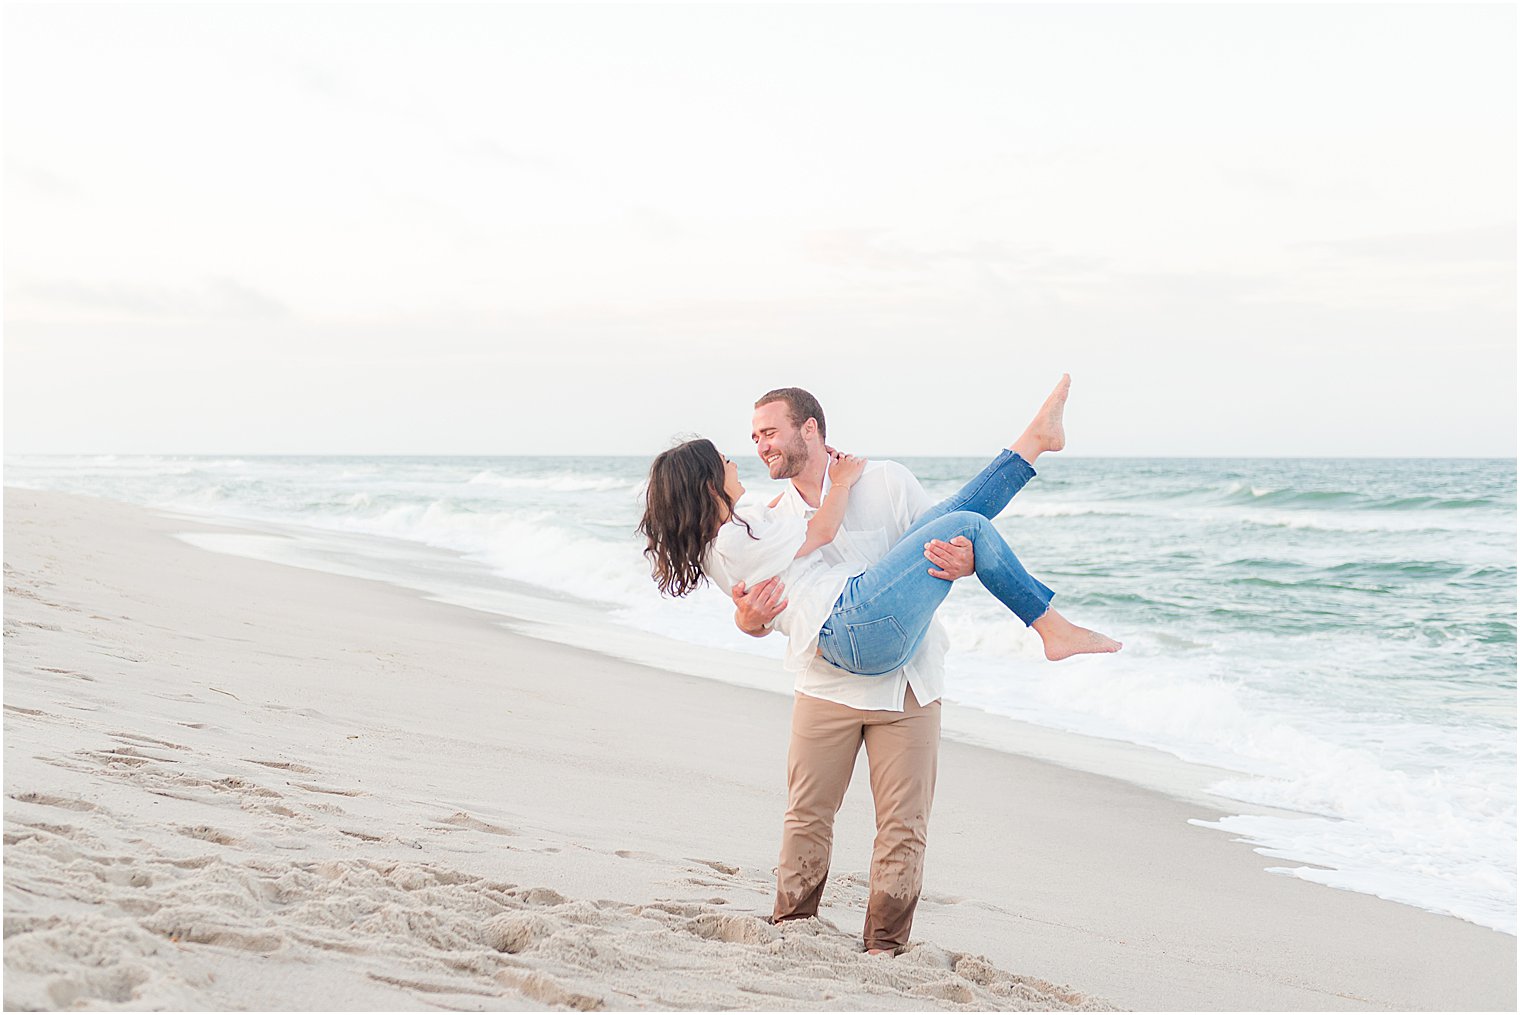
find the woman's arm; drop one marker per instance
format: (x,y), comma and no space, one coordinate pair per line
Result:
(844,473)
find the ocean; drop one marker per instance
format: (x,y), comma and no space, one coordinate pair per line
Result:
(1335,637)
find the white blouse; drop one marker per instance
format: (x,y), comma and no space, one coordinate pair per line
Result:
(766,549)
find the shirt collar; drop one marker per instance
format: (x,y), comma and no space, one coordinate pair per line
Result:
(792,491)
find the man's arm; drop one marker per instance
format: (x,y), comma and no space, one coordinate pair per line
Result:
(755,608)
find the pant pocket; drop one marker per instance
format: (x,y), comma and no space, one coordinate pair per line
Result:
(834,649)
(878,646)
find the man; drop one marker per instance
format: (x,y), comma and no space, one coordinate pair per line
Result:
(896,716)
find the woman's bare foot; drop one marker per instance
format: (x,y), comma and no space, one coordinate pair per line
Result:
(1047,431)
(1064,639)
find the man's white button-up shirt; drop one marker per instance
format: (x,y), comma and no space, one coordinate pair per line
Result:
(883,505)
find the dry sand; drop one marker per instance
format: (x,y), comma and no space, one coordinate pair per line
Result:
(237,784)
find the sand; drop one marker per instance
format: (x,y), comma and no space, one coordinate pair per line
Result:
(238,784)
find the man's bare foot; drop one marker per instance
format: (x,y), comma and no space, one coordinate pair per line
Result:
(879,951)
(1047,431)
(1064,639)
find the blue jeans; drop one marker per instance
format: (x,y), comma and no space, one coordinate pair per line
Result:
(882,615)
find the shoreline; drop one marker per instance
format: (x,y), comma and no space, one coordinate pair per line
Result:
(535,612)
(529,614)
(1111,889)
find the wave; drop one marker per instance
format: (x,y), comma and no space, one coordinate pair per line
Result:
(1307,514)
(1390,575)
(1417,570)
(558,483)
(1244,493)
(1370,523)
(1356,500)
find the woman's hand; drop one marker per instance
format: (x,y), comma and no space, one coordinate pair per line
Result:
(846,470)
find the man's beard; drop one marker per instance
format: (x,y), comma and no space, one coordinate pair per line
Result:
(794,457)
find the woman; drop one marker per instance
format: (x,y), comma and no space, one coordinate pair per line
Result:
(868,622)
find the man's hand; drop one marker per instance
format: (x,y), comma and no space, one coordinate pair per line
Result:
(754,608)
(955,559)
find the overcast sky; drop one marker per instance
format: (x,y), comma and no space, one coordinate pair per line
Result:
(1280,230)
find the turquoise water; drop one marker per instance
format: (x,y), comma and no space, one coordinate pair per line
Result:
(1338,633)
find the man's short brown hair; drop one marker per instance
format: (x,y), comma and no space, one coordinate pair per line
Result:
(800,405)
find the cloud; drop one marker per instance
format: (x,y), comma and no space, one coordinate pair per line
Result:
(1488,243)
(44,182)
(490,150)
(218,298)
(882,249)
(1282,184)
(314,80)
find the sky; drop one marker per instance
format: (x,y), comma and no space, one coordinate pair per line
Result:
(1277,231)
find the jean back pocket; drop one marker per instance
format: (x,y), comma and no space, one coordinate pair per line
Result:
(878,646)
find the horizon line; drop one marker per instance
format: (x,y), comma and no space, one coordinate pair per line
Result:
(602,454)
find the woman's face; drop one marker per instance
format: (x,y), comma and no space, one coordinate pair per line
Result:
(731,485)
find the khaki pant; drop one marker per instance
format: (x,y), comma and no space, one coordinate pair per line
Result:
(903,752)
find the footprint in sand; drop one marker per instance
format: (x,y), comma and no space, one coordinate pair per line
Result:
(180,925)
(459,819)
(546,990)
(733,928)
(54,801)
(114,986)
(287,766)
(209,834)
(67,673)
(312,787)
(130,756)
(686,909)
(540,896)
(141,739)
(363,836)
(945,990)
(189,862)
(517,932)
(424,987)
(635,854)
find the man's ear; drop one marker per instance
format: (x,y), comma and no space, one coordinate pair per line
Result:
(811,423)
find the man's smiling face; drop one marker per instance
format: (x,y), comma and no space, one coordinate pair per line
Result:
(778,441)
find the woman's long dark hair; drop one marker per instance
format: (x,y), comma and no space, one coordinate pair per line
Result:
(681,514)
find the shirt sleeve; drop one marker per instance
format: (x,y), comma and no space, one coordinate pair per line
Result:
(764,551)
